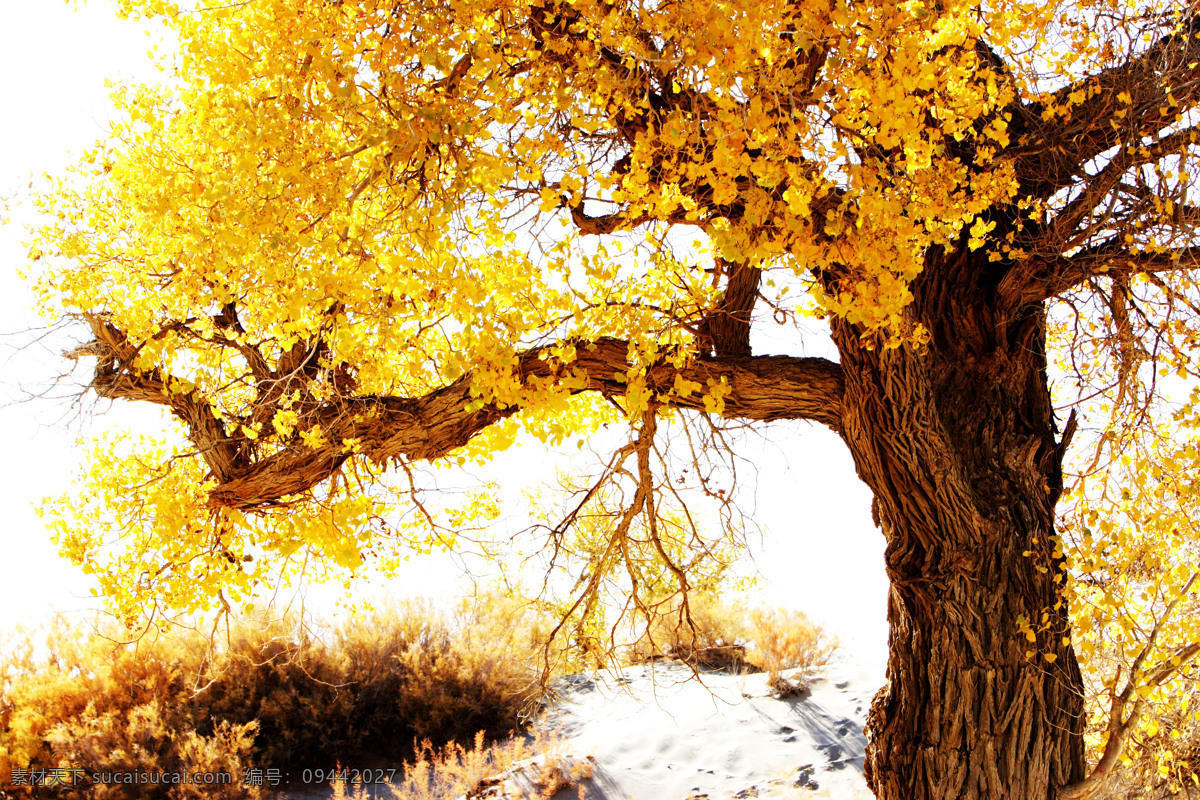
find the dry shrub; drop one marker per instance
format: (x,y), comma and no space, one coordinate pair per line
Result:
(446,675)
(271,695)
(556,775)
(702,633)
(227,752)
(454,771)
(402,674)
(290,683)
(783,639)
(716,634)
(92,705)
(477,773)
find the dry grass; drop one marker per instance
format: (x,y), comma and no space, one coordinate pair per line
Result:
(535,766)
(276,696)
(271,696)
(731,636)
(87,705)
(784,639)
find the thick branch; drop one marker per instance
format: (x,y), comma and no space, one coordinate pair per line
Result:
(116,377)
(427,427)
(1051,277)
(607,223)
(1143,96)
(726,329)
(1159,84)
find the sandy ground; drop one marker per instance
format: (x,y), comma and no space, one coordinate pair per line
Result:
(661,732)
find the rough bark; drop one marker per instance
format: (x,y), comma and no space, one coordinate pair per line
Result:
(726,331)
(957,441)
(385,428)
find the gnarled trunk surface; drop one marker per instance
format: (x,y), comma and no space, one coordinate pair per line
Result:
(957,442)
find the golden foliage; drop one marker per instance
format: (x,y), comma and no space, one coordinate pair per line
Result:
(1136,607)
(346,237)
(319,208)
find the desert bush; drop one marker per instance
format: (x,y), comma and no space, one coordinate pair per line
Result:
(713,633)
(226,751)
(479,772)
(292,684)
(271,694)
(445,675)
(399,675)
(784,639)
(696,633)
(90,704)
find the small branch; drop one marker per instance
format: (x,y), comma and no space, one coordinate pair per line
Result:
(1052,277)
(1120,726)
(116,377)
(1134,154)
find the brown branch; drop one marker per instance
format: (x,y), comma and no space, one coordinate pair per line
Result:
(449,84)
(427,427)
(431,426)
(726,329)
(116,377)
(1044,278)
(1162,83)
(1066,222)
(1127,350)
(1121,726)
(228,320)
(604,224)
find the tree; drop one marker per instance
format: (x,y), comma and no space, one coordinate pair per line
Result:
(348,237)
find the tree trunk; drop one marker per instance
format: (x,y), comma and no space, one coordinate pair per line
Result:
(957,441)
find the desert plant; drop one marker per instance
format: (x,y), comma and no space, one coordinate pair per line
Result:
(111,752)
(90,704)
(784,639)
(481,771)
(271,694)
(709,632)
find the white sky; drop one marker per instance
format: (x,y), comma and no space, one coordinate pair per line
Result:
(821,553)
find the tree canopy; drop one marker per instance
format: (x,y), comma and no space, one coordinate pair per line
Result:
(340,239)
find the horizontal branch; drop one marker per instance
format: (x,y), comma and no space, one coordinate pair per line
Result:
(1096,188)
(1050,277)
(384,428)
(1139,98)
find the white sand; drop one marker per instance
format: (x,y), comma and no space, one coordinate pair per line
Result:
(660,732)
